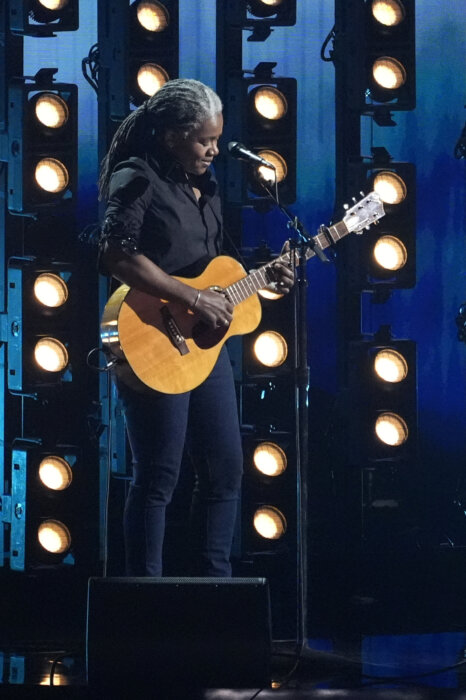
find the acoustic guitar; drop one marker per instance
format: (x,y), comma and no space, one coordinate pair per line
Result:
(162,345)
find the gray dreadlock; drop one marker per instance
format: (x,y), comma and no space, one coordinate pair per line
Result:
(181,105)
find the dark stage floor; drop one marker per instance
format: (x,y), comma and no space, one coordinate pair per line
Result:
(400,637)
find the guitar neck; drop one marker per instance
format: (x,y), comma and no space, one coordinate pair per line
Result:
(263,276)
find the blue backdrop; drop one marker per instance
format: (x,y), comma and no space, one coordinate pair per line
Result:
(425,136)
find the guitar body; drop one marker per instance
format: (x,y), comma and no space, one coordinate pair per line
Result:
(141,332)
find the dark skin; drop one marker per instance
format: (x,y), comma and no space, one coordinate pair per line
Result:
(195,151)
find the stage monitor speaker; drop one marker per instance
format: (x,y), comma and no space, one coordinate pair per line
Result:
(160,633)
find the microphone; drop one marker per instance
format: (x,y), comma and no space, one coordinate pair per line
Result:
(237,150)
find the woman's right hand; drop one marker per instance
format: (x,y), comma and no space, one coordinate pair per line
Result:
(214,307)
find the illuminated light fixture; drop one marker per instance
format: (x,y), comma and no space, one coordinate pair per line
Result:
(54,536)
(151,77)
(269,175)
(270,459)
(391,429)
(390,253)
(264,8)
(268,294)
(54,4)
(43,17)
(389,73)
(390,13)
(51,110)
(153,16)
(269,102)
(269,523)
(390,186)
(55,473)
(390,365)
(271,349)
(50,290)
(51,355)
(51,175)
(43,143)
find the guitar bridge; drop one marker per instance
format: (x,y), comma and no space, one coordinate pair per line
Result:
(176,337)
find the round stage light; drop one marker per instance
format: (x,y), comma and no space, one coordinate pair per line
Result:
(390,365)
(390,13)
(54,536)
(51,110)
(51,175)
(53,4)
(271,349)
(388,73)
(269,102)
(269,175)
(51,355)
(269,522)
(153,16)
(55,473)
(151,78)
(390,253)
(391,429)
(264,8)
(270,459)
(50,290)
(268,294)
(390,186)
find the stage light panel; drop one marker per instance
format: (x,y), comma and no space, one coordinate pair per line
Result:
(43,144)
(383,384)
(138,52)
(43,17)
(39,324)
(387,253)
(43,518)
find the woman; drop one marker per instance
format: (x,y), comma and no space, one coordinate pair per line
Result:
(163,217)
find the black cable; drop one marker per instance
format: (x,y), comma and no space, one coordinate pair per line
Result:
(330,36)
(90,66)
(57,659)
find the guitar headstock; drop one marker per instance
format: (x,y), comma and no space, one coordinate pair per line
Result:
(364,213)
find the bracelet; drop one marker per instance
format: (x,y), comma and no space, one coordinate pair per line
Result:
(196,300)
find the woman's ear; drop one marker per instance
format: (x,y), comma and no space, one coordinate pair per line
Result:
(169,139)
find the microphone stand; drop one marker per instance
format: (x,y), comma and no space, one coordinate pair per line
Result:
(328,663)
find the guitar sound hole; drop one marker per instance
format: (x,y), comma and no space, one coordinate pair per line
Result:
(206,337)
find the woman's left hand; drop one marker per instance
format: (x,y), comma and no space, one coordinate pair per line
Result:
(284,278)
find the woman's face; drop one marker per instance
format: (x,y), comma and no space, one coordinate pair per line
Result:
(197,150)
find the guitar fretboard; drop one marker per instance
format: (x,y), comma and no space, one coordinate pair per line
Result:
(263,276)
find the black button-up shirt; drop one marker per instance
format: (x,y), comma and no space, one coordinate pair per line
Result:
(153,210)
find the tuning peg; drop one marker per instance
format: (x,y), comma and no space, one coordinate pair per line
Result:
(345,206)
(362,194)
(354,200)
(367,227)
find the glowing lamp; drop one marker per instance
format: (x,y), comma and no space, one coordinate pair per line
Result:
(388,73)
(271,349)
(270,459)
(55,473)
(390,365)
(51,355)
(50,290)
(51,110)
(51,175)
(150,78)
(54,536)
(390,13)
(153,16)
(270,523)
(391,429)
(269,102)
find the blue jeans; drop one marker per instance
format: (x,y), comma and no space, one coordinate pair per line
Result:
(158,426)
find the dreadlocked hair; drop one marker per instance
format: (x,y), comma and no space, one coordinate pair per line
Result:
(181,105)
